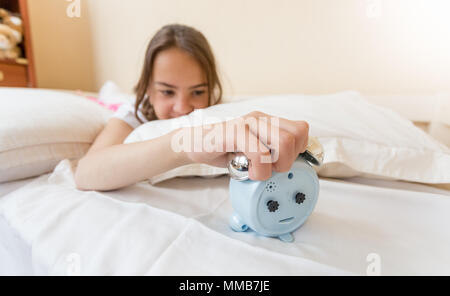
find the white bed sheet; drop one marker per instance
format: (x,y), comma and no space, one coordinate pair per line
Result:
(180,227)
(15,253)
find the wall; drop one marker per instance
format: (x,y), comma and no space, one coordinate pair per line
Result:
(62,46)
(262,46)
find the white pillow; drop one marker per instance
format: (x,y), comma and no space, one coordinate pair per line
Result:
(39,128)
(359,138)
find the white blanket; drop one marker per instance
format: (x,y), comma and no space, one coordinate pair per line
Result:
(180,227)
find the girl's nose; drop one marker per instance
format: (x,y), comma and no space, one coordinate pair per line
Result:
(182,106)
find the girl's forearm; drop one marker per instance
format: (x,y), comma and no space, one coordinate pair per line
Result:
(125,164)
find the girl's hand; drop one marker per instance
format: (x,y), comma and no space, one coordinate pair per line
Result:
(269,143)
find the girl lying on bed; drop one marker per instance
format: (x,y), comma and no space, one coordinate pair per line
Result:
(179,75)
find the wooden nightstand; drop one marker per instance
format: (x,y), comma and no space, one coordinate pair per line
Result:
(19,72)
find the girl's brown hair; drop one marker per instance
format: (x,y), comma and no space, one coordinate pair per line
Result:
(189,40)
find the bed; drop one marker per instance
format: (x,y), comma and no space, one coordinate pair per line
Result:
(179,227)
(361,225)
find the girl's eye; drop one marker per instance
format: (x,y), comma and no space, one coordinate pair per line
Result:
(198,92)
(167,93)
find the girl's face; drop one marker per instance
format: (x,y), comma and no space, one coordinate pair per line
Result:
(179,84)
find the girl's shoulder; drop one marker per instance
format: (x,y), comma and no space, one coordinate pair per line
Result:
(126,113)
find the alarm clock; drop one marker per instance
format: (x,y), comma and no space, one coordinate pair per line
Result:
(280,205)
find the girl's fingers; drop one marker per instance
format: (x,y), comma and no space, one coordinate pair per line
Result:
(256,152)
(269,143)
(286,138)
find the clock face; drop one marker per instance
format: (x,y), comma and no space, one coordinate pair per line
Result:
(286,201)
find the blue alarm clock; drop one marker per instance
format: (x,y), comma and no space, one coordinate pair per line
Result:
(280,205)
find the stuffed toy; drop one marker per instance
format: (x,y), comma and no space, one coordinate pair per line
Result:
(9,39)
(13,21)
(10,35)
